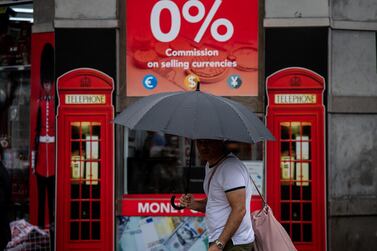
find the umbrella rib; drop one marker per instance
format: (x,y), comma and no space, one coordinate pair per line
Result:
(218,120)
(241,116)
(151,105)
(175,110)
(145,109)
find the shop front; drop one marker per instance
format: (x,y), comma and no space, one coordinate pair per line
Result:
(171,45)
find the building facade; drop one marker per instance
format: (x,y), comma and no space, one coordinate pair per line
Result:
(315,87)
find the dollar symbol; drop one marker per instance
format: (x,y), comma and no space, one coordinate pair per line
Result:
(192,82)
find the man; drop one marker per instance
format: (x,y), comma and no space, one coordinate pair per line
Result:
(227,206)
(43,156)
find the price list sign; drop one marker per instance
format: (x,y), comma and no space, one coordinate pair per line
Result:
(173,44)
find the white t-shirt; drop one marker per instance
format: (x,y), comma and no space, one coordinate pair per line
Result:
(231,174)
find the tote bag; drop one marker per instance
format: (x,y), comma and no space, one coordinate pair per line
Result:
(270,235)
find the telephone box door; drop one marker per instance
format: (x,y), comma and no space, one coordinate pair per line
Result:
(295,161)
(85,212)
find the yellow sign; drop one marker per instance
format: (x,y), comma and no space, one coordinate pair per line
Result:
(85,99)
(295,99)
(191,81)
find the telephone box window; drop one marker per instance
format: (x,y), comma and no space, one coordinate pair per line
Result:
(295,179)
(85,180)
(74,231)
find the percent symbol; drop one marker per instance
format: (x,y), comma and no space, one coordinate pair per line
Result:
(176,20)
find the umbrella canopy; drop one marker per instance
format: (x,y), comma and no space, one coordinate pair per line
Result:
(195,115)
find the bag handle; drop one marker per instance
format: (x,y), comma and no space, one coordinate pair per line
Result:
(215,166)
(210,178)
(260,194)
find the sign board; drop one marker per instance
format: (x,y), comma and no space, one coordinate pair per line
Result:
(155,205)
(171,45)
(295,99)
(85,99)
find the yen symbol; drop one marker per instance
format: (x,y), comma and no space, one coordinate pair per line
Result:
(234,81)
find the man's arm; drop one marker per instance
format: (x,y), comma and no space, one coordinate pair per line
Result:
(237,201)
(187,200)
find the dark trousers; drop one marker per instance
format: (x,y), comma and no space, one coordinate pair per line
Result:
(45,184)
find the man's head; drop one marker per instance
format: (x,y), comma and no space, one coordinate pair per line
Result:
(210,149)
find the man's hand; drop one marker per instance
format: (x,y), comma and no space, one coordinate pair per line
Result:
(187,200)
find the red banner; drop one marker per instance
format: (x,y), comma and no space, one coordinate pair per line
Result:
(155,205)
(173,44)
(159,205)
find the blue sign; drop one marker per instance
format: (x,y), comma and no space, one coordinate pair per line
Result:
(234,81)
(150,82)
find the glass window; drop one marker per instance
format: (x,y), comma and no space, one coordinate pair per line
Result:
(157,163)
(295,163)
(15,105)
(85,180)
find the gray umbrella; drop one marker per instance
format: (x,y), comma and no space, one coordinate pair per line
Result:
(194,115)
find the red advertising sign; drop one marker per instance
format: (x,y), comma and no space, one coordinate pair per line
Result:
(159,205)
(172,44)
(154,205)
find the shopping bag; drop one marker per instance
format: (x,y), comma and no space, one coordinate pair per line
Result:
(269,233)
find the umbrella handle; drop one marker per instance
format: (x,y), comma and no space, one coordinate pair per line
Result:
(172,199)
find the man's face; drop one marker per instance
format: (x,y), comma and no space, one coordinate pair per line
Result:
(209,149)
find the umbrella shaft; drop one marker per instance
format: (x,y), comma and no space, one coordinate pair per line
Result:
(192,148)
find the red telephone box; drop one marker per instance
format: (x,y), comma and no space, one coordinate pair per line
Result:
(85,161)
(295,161)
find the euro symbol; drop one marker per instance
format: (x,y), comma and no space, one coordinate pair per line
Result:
(148,82)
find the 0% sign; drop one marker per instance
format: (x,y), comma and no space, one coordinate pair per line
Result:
(200,15)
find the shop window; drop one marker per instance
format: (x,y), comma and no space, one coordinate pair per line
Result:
(14,104)
(157,163)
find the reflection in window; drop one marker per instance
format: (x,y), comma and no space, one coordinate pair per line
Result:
(295,181)
(85,167)
(95,231)
(74,230)
(157,162)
